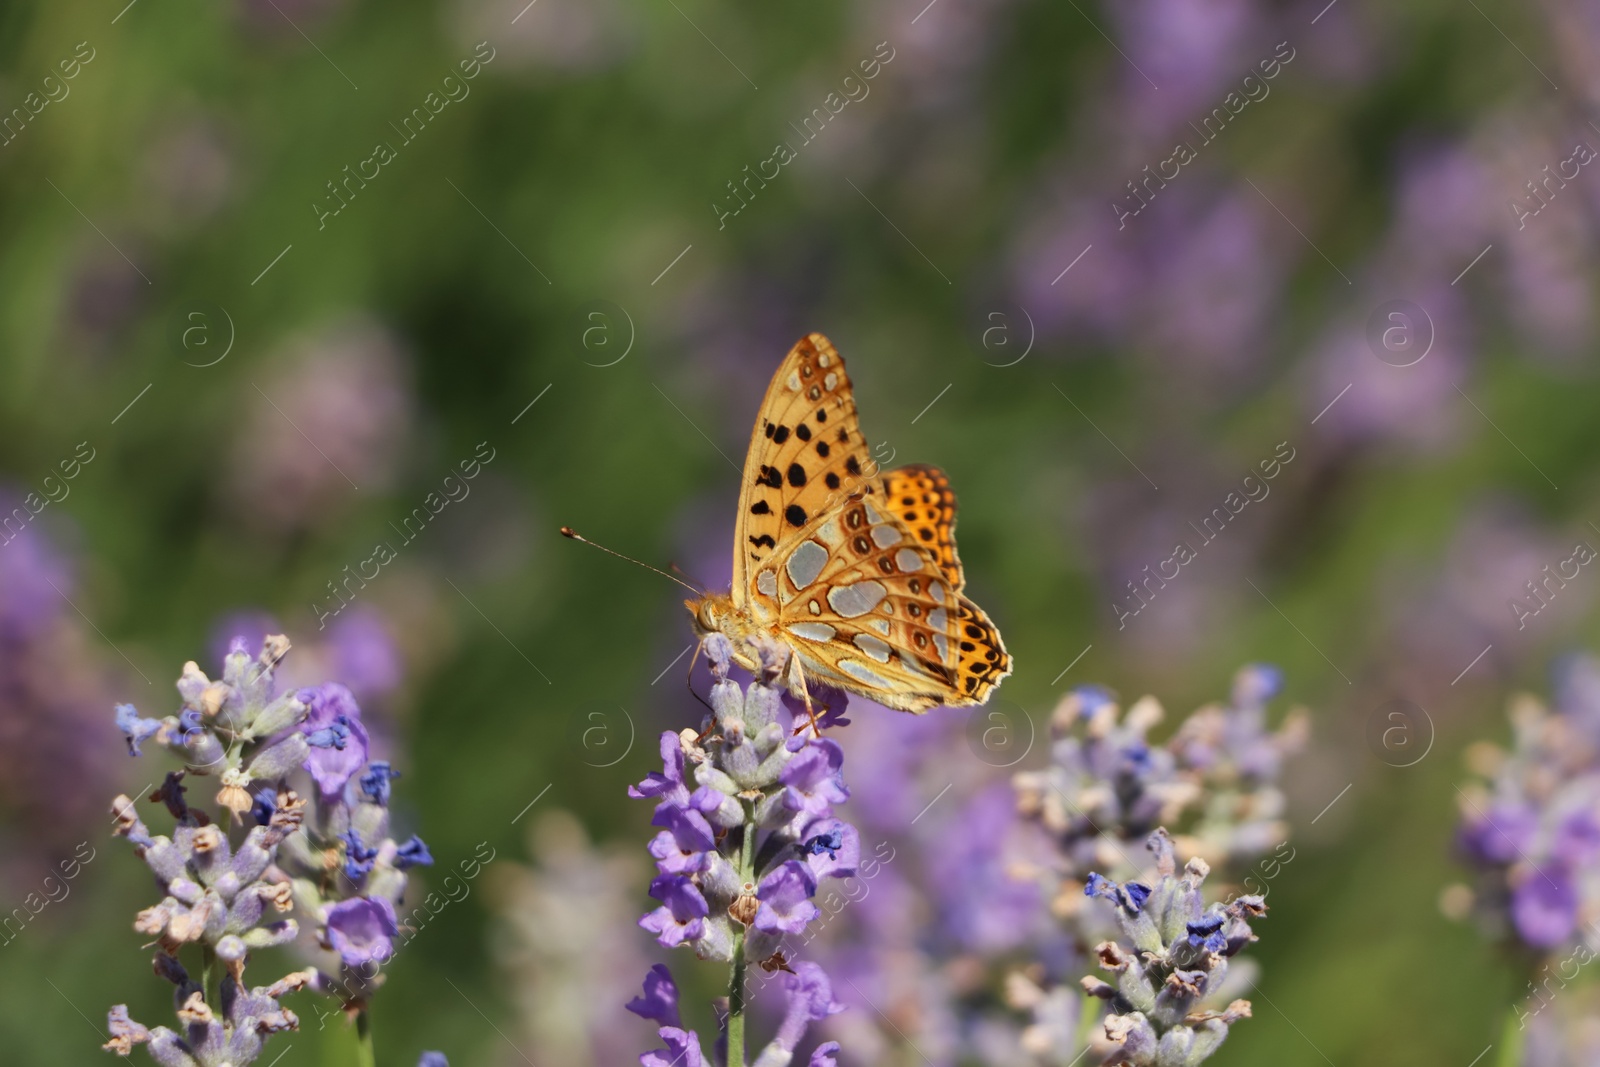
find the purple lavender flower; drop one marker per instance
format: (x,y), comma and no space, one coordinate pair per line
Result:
(785,897)
(361,930)
(668,783)
(810,1000)
(684,846)
(337,738)
(831,849)
(683,1050)
(682,913)
(813,779)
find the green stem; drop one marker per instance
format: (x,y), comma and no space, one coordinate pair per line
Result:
(210,981)
(1511,1037)
(364,1054)
(736,979)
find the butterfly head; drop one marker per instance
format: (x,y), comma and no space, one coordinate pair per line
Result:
(711,613)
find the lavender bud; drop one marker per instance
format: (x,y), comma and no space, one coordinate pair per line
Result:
(278,760)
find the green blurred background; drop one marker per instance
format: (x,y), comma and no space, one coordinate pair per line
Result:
(552,238)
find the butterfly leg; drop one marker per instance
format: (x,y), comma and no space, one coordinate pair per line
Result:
(688,681)
(797,680)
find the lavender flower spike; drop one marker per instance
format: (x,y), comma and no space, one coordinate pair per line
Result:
(1530,828)
(1172,957)
(741,855)
(320,845)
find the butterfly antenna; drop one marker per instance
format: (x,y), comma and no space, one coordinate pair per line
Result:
(686,574)
(567,531)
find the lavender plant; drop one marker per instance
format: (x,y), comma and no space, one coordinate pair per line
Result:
(1171,959)
(1529,827)
(297,764)
(747,832)
(1109,788)
(1529,830)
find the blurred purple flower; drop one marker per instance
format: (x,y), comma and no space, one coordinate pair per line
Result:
(344,388)
(660,1000)
(1545,907)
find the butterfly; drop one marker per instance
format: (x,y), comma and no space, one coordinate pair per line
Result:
(853,570)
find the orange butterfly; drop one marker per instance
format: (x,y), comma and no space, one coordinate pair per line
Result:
(855,573)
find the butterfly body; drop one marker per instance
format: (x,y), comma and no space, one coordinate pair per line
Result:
(851,569)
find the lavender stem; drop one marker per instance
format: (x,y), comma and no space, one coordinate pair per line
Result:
(736,979)
(364,1053)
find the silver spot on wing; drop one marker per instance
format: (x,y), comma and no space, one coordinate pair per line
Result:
(942,643)
(767,583)
(937,619)
(872,646)
(862,673)
(885,535)
(805,563)
(857,598)
(812,631)
(908,559)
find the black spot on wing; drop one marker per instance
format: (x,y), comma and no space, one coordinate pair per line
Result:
(797,475)
(822,449)
(781,435)
(760,507)
(803,432)
(795,515)
(770,477)
(764,541)
(832,479)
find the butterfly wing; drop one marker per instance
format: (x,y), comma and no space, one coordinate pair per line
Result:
(806,454)
(921,497)
(865,587)
(868,607)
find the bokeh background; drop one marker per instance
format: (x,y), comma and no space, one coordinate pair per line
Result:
(254,379)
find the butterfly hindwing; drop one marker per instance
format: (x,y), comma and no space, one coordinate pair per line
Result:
(921,497)
(866,609)
(981,657)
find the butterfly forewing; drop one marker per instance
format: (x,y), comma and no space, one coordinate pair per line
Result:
(806,454)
